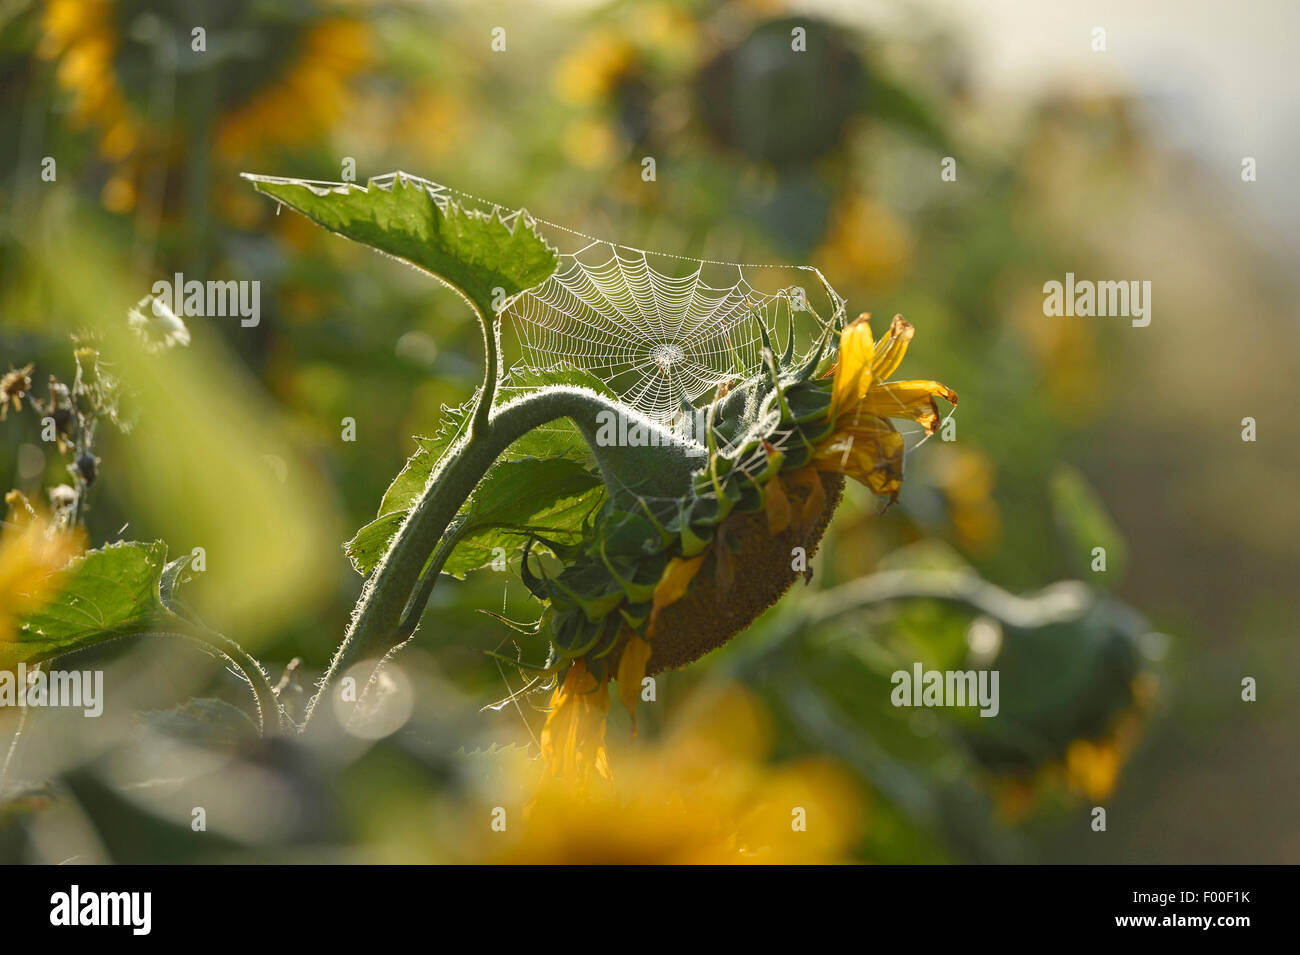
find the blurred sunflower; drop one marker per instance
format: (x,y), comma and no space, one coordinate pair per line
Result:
(658,589)
(33,556)
(703,794)
(867,240)
(82,36)
(1088,765)
(616,77)
(592,70)
(309,96)
(265,101)
(967,478)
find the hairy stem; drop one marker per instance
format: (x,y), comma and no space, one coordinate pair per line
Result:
(377,621)
(491,360)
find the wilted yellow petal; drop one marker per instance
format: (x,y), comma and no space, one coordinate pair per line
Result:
(908,399)
(672,586)
(573,737)
(631,671)
(891,348)
(777,504)
(869,450)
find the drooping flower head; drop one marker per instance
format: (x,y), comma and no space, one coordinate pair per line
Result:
(658,584)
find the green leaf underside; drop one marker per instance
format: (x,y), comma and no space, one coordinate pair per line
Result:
(556,502)
(109,593)
(552,497)
(475,252)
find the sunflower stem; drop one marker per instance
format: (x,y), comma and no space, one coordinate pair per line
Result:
(378,617)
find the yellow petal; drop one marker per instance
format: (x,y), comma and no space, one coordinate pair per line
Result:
(672,586)
(814,501)
(891,348)
(631,671)
(853,367)
(869,450)
(573,737)
(777,504)
(908,399)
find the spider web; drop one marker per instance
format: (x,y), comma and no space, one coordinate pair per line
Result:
(659,329)
(656,339)
(656,334)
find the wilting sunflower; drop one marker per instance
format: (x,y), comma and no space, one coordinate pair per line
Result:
(658,582)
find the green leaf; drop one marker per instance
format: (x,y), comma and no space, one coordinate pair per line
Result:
(558,439)
(551,516)
(411,480)
(202,722)
(474,252)
(109,593)
(551,497)
(370,543)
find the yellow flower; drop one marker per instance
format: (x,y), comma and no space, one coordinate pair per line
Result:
(32,558)
(590,143)
(702,795)
(80,35)
(967,478)
(866,239)
(587,74)
(309,97)
(573,738)
(864,444)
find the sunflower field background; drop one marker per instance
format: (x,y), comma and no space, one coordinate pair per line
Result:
(1072,434)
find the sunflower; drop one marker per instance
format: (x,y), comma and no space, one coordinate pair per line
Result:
(704,794)
(275,101)
(658,583)
(309,96)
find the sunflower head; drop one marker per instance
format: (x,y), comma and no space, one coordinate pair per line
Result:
(658,582)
